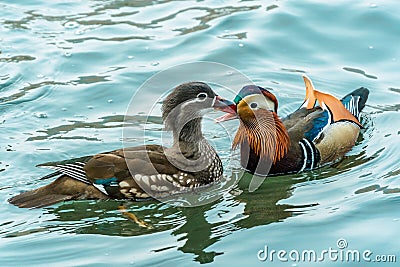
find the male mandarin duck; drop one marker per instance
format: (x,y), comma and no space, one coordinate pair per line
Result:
(310,137)
(191,162)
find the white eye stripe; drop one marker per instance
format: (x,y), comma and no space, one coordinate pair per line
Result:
(202,96)
(261,101)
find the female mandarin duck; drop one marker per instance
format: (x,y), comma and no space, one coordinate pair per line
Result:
(191,161)
(310,137)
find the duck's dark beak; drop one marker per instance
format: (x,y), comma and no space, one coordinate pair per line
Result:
(225,106)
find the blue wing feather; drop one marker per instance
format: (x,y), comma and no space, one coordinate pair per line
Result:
(318,125)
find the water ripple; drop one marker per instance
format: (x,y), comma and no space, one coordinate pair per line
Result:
(68,69)
(355,70)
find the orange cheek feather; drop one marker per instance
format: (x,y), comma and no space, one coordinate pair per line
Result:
(244,111)
(264,132)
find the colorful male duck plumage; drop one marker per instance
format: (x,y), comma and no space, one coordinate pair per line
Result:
(310,137)
(132,173)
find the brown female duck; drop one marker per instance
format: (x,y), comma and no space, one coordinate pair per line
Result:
(143,171)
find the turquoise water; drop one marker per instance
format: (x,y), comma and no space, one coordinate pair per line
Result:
(69,68)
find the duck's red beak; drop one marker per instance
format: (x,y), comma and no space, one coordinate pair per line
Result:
(225,106)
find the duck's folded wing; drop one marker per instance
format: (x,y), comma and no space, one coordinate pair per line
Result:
(127,173)
(107,170)
(337,109)
(133,172)
(311,123)
(316,122)
(143,160)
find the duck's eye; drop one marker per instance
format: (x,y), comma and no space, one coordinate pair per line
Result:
(202,96)
(253,105)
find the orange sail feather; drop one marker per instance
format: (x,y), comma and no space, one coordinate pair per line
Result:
(327,102)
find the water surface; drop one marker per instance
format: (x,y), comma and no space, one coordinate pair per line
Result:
(69,68)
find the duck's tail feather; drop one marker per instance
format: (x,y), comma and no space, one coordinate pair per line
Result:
(37,198)
(62,189)
(355,101)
